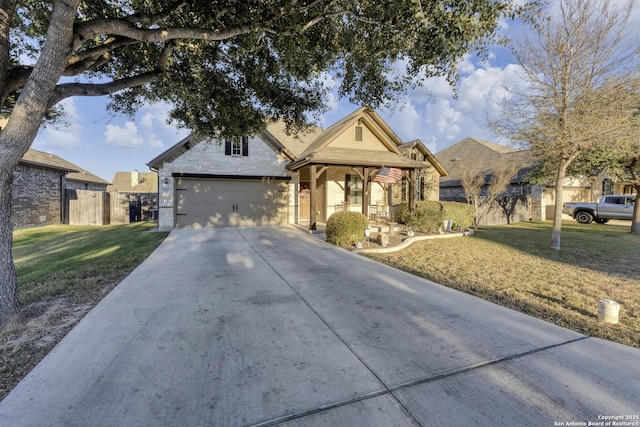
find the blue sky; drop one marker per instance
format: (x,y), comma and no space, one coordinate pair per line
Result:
(102,144)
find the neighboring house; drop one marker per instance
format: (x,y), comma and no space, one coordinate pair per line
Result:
(522,201)
(280,178)
(519,201)
(137,193)
(41,185)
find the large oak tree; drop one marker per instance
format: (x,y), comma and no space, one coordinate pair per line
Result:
(226,66)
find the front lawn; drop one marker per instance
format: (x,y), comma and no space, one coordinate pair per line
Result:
(513,266)
(64,259)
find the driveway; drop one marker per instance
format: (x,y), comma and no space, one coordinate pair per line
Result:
(268,325)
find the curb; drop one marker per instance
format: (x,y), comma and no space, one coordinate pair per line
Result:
(407,242)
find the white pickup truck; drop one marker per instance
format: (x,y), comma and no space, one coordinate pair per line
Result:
(608,207)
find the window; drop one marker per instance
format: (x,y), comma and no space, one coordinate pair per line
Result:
(614,200)
(238,146)
(353,190)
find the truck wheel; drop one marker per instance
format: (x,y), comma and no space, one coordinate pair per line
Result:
(584,217)
(601,220)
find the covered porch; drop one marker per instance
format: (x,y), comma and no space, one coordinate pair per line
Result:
(326,188)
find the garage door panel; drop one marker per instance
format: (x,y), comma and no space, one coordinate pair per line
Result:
(208,203)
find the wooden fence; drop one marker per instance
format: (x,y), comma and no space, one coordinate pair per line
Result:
(87,207)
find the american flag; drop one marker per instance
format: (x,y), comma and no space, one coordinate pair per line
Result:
(388,175)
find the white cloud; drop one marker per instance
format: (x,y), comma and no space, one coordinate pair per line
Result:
(149,130)
(433,115)
(66,134)
(123,136)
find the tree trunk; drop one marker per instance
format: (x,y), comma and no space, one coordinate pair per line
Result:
(635,223)
(557,212)
(9,306)
(19,133)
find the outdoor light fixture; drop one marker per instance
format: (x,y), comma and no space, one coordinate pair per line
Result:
(166,181)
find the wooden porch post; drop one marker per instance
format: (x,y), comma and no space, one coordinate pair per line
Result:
(412,189)
(313,197)
(366,197)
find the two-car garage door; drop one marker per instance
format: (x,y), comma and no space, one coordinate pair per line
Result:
(202,202)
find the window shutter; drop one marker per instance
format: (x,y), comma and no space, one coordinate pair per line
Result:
(245,146)
(227,147)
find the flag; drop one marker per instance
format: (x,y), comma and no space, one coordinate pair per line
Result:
(388,175)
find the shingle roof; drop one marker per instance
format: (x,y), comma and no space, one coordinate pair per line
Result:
(416,143)
(122,182)
(349,156)
(485,155)
(51,161)
(292,144)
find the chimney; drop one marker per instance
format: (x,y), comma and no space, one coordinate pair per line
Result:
(135,178)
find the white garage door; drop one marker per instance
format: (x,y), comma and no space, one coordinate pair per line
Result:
(219,202)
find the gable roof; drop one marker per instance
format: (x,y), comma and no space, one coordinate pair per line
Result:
(419,145)
(147,182)
(314,145)
(291,144)
(487,156)
(51,161)
(173,152)
(320,150)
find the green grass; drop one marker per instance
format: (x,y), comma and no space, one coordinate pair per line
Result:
(63,259)
(514,266)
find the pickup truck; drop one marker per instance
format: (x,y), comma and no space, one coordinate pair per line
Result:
(608,207)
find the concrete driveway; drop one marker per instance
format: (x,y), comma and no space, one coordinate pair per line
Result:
(266,326)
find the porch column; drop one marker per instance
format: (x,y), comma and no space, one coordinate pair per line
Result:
(313,198)
(412,189)
(366,197)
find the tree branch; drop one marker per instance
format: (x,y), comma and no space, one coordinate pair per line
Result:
(121,27)
(67,90)
(151,19)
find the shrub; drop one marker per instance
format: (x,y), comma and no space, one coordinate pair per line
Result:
(460,214)
(346,228)
(426,217)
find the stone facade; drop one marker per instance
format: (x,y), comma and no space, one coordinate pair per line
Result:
(37,196)
(208,158)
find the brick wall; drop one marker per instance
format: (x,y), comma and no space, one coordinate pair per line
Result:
(36,197)
(76,185)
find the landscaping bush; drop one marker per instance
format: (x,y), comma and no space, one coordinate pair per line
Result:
(460,214)
(346,228)
(427,216)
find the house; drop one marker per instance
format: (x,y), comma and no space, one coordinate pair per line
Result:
(280,178)
(522,201)
(41,185)
(137,193)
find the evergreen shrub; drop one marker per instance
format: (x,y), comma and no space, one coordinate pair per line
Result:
(461,215)
(429,214)
(346,228)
